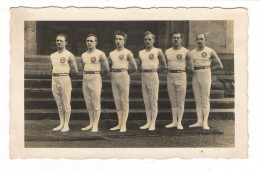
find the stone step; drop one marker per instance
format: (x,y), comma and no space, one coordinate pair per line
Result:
(134,114)
(137,103)
(134,93)
(43,74)
(106,84)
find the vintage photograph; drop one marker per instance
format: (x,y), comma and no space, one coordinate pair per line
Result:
(80,73)
(136,83)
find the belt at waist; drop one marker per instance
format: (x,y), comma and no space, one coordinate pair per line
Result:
(201,67)
(59,74)
(119,70)
(91,72)
(149,71)
(176,71)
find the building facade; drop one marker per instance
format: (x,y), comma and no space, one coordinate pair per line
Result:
(39,36)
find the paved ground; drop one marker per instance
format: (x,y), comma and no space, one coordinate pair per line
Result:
(38,133)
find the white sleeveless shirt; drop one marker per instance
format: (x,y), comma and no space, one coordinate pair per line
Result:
(149,59)
(202,58)
(60,62)
(91,60)
(119,58)
(176,58)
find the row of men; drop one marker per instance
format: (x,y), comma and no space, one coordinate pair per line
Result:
(121,63)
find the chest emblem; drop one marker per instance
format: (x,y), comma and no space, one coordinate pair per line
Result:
(179,56)
(121,56)
(93,59)
(204,54)
(62,60)
(151,56)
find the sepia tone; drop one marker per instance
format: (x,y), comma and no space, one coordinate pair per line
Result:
(40,110)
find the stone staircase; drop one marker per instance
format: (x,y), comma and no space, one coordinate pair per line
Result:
(40,104)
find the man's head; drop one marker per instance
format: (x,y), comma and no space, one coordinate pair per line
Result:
(120,39)
(91,41)
(61,41)
(201,40)
(176,38)
(149,39)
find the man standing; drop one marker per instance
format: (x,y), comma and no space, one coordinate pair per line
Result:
(63,65)
(95,63)
(119,61)
(178,60)
(205,59)
(148,62)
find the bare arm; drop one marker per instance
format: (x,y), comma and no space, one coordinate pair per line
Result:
(132,63)
(104,64)
(139,63)
(73,65)
(109,61)
(51,66)
(166,60)
(215,61)
(162,61)
(189,62)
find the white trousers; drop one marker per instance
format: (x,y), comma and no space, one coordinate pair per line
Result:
(91,87)
(176,85)
(150,89)
(120,87)
(201,84)
(61,90)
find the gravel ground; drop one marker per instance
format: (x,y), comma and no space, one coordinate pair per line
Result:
(39,134)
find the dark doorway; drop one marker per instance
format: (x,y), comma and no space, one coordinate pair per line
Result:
(77,31)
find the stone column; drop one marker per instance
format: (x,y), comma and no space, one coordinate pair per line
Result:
(30,44)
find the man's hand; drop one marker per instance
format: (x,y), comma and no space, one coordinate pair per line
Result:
(103,73)
(188,71)
(130,71)
(72,74)
(161,69)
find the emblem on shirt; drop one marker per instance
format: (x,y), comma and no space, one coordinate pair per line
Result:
(93,59)
(179,56)
(204,54)
(62,60)
(121,56)
(151,56)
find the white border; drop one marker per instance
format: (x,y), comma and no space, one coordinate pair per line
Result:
(19,15)
(253,67)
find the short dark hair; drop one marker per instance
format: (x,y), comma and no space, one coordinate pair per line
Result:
(148,32)
(202,34)
(122,34)
(176,33)
(63,35)
(92,35)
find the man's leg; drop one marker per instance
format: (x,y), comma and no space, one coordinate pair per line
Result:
(66,97)
(153,93)
(206,85)
(96,86)
(125,85)
(116,95)
(58,99)
(198,98)
(96,120)
(172,95)
(88,102)
(181,93)
(147,103)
